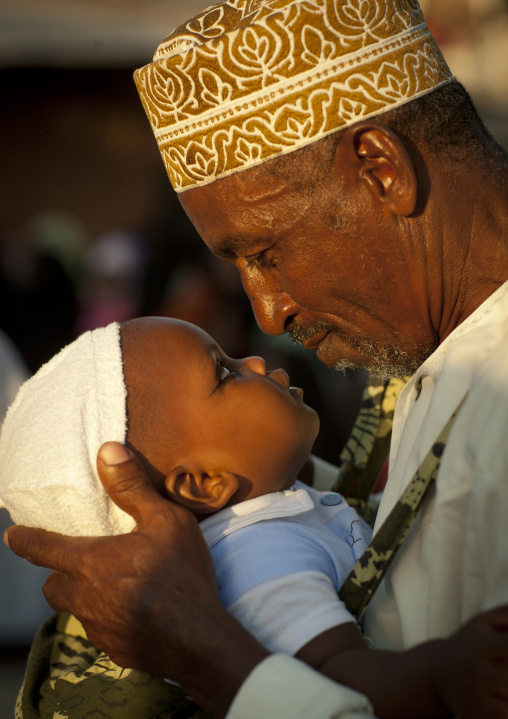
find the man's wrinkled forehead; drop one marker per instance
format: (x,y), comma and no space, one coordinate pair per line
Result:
(236,213)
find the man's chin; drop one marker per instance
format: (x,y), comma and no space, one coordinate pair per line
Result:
(382,363)
(340,352)
(379,372)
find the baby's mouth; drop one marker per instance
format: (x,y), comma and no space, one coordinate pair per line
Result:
(296,392)
(280,377)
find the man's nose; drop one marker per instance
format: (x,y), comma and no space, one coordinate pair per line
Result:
(273,308)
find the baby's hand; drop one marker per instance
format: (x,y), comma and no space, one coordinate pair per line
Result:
(472,668)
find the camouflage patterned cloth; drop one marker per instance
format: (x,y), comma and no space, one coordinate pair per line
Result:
(68,678)
(367,448)
(366,575)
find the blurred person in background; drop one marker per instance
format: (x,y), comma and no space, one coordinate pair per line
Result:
(37,295)
(22,604)
(113,279)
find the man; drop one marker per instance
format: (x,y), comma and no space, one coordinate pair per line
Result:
(323,148)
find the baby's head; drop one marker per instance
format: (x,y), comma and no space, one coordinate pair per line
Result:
(211,431)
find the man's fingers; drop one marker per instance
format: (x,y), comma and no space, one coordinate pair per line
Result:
(55,591)
(126,481)
(46,549)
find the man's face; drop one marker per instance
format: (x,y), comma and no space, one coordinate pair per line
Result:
(227,414)
(322,266)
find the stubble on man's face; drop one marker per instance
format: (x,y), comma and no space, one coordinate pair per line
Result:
(382,362)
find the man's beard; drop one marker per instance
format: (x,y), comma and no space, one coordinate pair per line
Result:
(383,363)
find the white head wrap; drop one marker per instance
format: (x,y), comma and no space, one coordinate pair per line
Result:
(51,435)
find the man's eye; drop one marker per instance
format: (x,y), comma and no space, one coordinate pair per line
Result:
(253,260)
(263,260)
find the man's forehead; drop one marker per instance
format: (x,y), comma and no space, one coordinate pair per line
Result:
(236,212)
(257,184)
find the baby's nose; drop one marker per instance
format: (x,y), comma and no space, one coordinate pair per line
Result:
(256,364)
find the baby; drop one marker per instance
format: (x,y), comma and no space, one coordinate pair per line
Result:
(226,439)
(214,434)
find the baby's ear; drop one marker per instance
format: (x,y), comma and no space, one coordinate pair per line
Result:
(199,491)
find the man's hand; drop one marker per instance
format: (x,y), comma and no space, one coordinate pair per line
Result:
(471,668)
(148,599)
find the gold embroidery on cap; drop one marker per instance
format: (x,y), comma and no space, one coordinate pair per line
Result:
(247,80)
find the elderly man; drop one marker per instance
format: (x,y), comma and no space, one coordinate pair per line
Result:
(323,148)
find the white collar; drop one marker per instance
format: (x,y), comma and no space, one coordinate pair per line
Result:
(433,364)
(443,362)
(269,506)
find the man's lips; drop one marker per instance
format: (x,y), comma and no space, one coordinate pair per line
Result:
(314,342)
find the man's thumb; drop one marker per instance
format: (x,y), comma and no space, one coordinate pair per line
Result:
(126,480)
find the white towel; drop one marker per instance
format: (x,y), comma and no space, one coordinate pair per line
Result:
(51,435)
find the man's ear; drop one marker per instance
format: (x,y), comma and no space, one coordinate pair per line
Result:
(199,491)
(385,165)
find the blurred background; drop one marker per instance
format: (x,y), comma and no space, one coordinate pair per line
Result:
(91,231)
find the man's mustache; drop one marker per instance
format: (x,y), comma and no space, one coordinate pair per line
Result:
(300,333)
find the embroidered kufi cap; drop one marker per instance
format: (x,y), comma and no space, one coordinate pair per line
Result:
(248,80)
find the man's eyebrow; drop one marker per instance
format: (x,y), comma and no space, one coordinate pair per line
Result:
(230,247)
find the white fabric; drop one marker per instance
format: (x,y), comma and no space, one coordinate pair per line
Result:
(281,687)
(51,435)
(454,562)
(285,612)
(325,474)
(289,503)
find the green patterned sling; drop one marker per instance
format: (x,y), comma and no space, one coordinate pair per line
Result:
(68,678)
(365,577)
(368,446)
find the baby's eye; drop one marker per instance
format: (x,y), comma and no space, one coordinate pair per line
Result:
(223,373)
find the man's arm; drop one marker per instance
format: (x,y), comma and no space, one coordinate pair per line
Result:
(149,600)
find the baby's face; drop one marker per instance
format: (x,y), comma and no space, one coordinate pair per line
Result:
(233,415)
